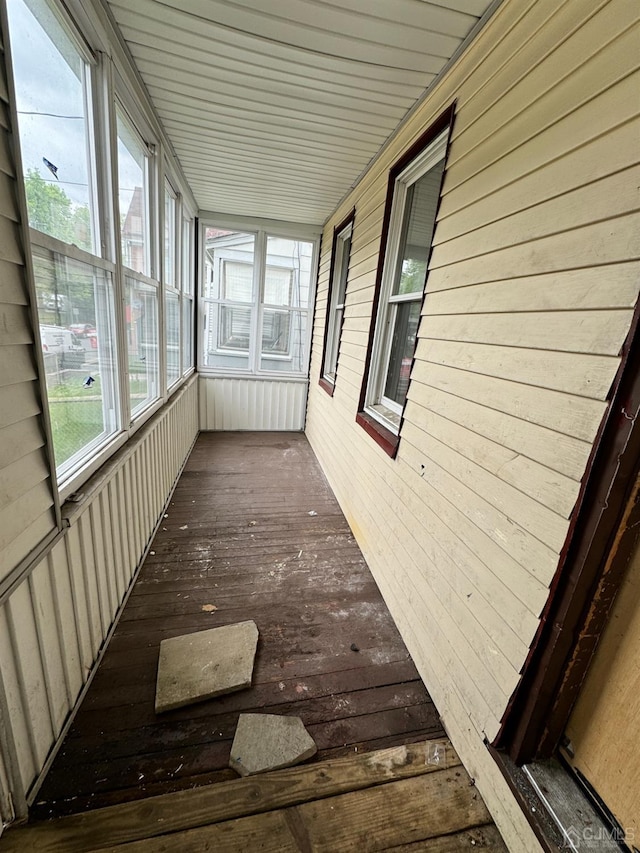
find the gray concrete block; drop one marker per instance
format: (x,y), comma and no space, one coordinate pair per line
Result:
(268,742)
(209,663)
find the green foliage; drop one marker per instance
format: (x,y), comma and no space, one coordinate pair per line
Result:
(412,276)
(52,212)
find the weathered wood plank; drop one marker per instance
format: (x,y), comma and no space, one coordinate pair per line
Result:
(208,805)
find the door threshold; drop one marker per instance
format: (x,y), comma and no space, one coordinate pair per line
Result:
(559,810)
(581,825)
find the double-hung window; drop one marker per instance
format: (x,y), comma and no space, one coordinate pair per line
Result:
(412,209)
(140,289)
(171,289)
(257,296)
(336,299)
(55,87)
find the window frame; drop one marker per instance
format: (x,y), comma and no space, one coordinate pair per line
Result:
(109,80)
(261,231)
(338,281)
(384,423)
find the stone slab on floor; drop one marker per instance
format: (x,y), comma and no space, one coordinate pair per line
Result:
(199,666)
(268,742)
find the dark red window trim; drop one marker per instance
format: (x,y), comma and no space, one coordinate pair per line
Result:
(387,440)
(379,433)
(330,387)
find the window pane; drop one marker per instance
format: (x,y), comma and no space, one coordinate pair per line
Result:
(52,93)
(234,327)
(277,286)
(335,309)
(187,334)
(224,248)
(418,224)
(141,315)
(403,344)
(172,322)
(284,337)
(237,281)
(288,272)
(80,369)
(226,336)
(169,237)
(187,256)
(133,198)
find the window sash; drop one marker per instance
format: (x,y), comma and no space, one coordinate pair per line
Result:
(335,309)
(384,408)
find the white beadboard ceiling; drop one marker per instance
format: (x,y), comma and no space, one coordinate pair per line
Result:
(275,107)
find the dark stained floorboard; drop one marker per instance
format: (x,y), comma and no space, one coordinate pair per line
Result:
(254,530)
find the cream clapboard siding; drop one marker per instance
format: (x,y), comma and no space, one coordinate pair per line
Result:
(54,624)
(532,284)
(26,495)
(252,404)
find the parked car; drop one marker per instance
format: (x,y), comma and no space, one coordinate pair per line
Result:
(82,330)
(64,343)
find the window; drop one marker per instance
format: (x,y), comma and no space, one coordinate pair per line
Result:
(99,298)
(74,286)
(335,300)
(79,358)
(56,132)
(141,318)
(412,210)
(133,196)
(257,292)
(187,275)
(171,292)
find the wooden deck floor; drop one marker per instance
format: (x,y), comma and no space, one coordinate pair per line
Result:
(408,798)
(254,530)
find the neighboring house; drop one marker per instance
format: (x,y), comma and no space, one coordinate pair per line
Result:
(471,394)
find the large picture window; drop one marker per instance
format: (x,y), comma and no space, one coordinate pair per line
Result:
(412,208)
(257,293)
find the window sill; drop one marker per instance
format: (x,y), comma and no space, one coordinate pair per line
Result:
(387,440)
(329,387)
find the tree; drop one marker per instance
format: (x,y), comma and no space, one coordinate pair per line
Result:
(52,211)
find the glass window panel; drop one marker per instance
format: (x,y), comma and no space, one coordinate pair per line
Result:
(234,327)
(277,286)
(336,307)
(284,336)
(403,344)
(224,247)
(172,322)
(276,332)
(187,256)
(219,326)
(133,198)
(141,316)
(187,334)
(237,281)
(169,236)
(53,104)
(419,219)
(294,256)
(80,369)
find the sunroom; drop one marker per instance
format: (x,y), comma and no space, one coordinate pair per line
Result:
(324,314)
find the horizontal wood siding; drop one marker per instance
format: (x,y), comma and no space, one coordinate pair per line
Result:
(26,494)
(532,284)
(54,624)
(252,404)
